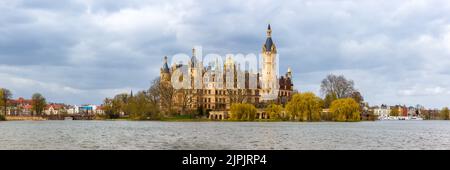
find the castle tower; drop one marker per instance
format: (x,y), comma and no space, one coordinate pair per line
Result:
(165,71)
(269,81)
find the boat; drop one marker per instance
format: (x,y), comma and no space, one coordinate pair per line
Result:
(416,118)
(68,118)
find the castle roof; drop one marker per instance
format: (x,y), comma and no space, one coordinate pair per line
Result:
(269,43)
(165,67)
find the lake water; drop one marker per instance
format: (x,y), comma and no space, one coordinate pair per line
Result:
(223,135)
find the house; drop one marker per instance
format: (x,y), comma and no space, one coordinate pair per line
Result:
(99,110)
(382,111)
(73,109)
(54,109)
(19,107)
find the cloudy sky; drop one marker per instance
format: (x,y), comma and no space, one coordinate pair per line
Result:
(81,51)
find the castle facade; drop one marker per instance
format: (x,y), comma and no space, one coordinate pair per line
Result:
(218,85)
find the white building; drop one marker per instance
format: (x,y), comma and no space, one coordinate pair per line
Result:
(382,111)
(73,110)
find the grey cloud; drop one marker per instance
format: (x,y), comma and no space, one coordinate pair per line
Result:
(93,49)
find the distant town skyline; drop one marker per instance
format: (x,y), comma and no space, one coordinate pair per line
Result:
(79,52)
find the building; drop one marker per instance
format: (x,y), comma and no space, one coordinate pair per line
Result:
(55,109)
(20,107)
(382,111)
(216,91)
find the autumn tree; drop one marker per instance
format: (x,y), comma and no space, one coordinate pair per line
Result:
(394,111)
(305,107)
(445,113)
(38,103)
(242,111)
(345,110)
(5,96)
(275,111)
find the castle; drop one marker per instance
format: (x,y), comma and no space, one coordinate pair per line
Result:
(218,90)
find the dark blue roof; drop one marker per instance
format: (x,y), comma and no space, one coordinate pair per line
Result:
(269,44)
(165,65)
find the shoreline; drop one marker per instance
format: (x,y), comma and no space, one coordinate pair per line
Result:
(38,118)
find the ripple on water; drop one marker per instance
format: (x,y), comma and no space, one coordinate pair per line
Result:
(224,135)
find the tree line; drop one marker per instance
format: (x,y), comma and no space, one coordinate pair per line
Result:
(38,103)
(342,102)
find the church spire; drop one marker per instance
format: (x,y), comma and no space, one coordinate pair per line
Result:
(269,31)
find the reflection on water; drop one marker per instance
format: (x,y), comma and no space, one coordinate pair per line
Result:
(224,135)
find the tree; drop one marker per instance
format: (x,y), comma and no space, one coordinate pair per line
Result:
(242,111)
(166,95)
(445,113)
(153,92)
(345,110)
(38,103)
(5,96)
(305,107)
(356,95)
(275,111)
(141,108)
(338,87)
(185,97)
(237,95)
(111,108)
(394,111)
(329,98)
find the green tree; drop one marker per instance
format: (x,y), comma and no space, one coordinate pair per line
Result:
(242,111)
(275,111)
(345,110)
(5,96)
(142,109)
(394,111)
(445,113)
(38,103)
(305,107)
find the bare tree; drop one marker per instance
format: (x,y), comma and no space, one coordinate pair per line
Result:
(185,98)
(166,95)
(153,92)
(237,95)
(337,86)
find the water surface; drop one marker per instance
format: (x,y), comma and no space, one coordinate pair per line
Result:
(223,135)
